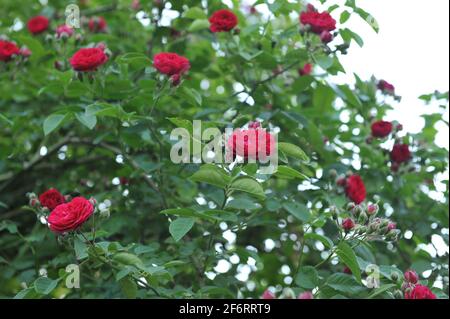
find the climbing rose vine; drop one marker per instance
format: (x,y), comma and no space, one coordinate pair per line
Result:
(192,149)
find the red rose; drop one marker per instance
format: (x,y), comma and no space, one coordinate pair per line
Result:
(170,63)
(64,30)
(348,224)
(88,59)
(268,295)
(97,24)
(419,292)
(51,199)
(7,50)
(386,87)
(400,153)
(222,21)
(70,216)
(254,143)
(411,276)
(355,189)
(318,21)
(38,24)
(326,36)
(381,129)
(306,70)
(306,295)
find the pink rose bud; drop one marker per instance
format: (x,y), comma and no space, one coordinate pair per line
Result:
(411,277)
(348,224)
(326,37)
(25,52)
(64,31)
(135,4)
(399,127)
(372,209)
(93,201)
(268,295)
(306,295)
(392,226)
(175,79)
(341,182)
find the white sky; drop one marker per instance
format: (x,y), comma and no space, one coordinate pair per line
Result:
(411,51)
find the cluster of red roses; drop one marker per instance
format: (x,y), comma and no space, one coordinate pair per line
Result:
(40,24)
(320,23)
(9,50)
(413,290)
(66,213)
(400,153)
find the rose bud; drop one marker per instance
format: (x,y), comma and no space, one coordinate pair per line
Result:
(348,224)
(347,270)
(333,173)
(288,293)
(268,295)
(372,209)
(411,276)
(398,294)
(25,52)
(350,206)
(362,219)
(341,181)
(326,36)
(392,226)
(306,295)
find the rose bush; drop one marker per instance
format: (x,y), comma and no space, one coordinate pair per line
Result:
(88,113)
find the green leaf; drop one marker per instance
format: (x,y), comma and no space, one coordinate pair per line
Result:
(381,290)
(192,96)
(128,259)
(345,15)
(6,120)
(80,248)
(180,227)
(129,288)
(348,257)
(293,151)
(52,122)
(298,210)
(184,212)
(87,120)
(344,283)
(307,277)
(289,173)
(211,174)
(199,24)
(45,285)
(195,13)
(327,242)
(248,185)
(323,98)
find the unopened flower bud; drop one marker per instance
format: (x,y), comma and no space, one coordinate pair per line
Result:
(348,224)
(349,173)
(398,294)
(333,173)
(394,276)
(326,37)
(350,206)
(288,293)
(372,209)
(268,295)
(105,213)
(411,276)
(306,295)
(362,219)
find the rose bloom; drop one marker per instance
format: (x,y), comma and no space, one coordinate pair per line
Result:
(70,216)
(400,153)
(222,21)
(252,143)
(420,292)
(171,63)
(64,29)
(7,50)
(88,59)
(38,24)
(318,21)
(97,24)
(306,70)
(51,199)
(355,189)
(381,129)
(385,86)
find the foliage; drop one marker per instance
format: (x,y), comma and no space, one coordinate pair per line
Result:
(160,228)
